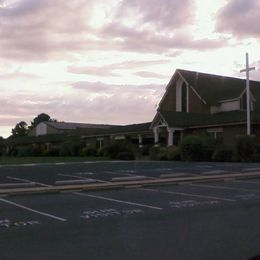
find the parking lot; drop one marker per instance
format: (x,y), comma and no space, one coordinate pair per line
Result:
(213,220)
(102,172)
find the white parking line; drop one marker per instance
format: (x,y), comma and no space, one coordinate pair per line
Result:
(223,187)
(215,172)
(32,210)
(251,169)
(187,194)
(250,182)
(115,200)
(82,178)
(120,173)
(130,175)
(25,180)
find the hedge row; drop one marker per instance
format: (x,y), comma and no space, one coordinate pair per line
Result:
(200,148)
(192,148)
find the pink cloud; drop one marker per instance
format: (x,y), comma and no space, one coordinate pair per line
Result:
(112,69)
(121,104)
(147,74)
(45,29)
(240,17)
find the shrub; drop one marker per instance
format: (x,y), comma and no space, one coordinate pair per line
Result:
(24,151)
(192,148)
(222,154)
(71,148)
(53,151)
(165,153)
(245,148)
(85,151)
(153,153)
(256,157)
(145,150)
(125,156)
(36,151)
(114,149)
(162,154)
(173,154)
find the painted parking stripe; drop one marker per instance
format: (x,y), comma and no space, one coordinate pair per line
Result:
(129,174)
(215,172)
(120,173)
(32,210)
(251,169)
(116,200)
(25,180)
(187,194)
(250,182)
(223,187)
(82,178)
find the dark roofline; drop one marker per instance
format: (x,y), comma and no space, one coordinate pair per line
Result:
(73,126)
(198,120)
(216,75)
(214,88)
(125,129)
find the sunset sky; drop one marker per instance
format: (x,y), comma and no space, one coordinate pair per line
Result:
(109,61)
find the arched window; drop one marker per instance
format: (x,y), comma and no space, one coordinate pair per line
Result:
(183,97)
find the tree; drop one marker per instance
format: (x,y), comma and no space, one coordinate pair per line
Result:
(41,118)
(20,129)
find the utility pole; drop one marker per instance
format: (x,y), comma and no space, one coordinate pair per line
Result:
(248,105)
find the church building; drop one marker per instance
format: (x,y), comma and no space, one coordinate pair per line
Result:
(201,103)
(193,103)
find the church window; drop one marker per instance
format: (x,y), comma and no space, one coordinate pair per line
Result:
(184,98)
(181,97)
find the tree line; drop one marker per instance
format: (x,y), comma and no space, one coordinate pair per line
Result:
(22,128)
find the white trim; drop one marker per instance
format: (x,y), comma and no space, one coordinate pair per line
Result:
(182,77)
(167,88)
(228,100)
(155,118)
(163,120)
(188,85)
(119,137)
(187,99)
(178,98)
(205,103)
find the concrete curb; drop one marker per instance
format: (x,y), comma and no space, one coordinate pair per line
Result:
(126,184)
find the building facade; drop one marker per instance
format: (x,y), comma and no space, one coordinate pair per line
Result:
(193,103)
(201,103)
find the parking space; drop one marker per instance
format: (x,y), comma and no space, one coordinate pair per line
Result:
(142,222)
(72,206)
(56,174)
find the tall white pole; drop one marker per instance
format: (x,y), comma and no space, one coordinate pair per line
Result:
(248,105)
(248,97)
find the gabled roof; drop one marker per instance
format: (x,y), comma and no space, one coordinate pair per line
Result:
(191,120)
(124,129)
(215,88)
(73,126)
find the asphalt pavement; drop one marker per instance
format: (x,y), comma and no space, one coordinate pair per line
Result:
(213,220)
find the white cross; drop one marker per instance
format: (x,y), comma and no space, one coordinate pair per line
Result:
(247,69)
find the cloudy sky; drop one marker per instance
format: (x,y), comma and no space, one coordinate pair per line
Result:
(108,61)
